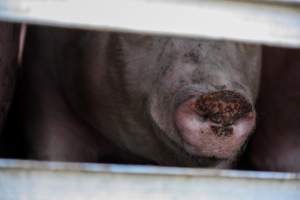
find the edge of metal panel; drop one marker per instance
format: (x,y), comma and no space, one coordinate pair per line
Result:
(141,170)
(264,22)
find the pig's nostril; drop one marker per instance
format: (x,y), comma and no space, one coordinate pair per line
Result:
(222,107)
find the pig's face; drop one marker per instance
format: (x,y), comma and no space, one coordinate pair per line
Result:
(199,94)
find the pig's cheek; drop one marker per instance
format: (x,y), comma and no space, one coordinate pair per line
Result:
(203,137)
(158,114)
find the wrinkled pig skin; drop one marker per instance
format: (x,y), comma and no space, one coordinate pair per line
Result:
(276,143)
(9,39)
(169,101)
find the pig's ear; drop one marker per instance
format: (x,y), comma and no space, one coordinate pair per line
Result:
(9,39)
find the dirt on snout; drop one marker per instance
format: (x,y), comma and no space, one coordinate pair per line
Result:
(222,130)
(223,108)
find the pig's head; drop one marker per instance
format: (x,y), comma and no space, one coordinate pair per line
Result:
(200,94)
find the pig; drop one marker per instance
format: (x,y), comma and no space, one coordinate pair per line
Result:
(90,96)
(9,48)
(276,143)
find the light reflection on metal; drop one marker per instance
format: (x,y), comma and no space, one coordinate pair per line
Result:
(56,180)
(142,169)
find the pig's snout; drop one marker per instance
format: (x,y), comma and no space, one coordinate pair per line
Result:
(215,124)
(223,108)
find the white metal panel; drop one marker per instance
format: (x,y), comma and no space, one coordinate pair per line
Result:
(276,1)
(24,180)
(250,21)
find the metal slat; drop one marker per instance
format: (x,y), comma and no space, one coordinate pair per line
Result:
(27,180)
(250,21)
(276,1)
